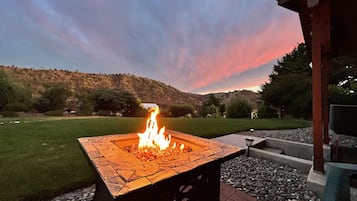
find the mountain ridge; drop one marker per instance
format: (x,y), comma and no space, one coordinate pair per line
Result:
(145,89)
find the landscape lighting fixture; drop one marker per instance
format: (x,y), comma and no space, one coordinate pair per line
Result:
(249,143)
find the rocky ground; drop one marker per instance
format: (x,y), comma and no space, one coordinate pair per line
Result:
(262,179)
(303,135)
(266,180)
(85,194)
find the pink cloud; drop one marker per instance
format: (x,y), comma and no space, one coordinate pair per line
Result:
(238,54)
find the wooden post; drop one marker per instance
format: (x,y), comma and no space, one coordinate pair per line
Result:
(318,28)
(326,65)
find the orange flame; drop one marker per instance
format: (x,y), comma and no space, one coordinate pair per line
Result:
(153,137)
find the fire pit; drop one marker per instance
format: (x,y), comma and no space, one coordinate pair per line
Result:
(190,171)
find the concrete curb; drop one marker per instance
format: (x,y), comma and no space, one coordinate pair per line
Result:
(298,163)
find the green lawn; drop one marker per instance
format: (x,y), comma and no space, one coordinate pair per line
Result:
(40,157)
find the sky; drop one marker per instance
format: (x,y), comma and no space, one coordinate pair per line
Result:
(196,46)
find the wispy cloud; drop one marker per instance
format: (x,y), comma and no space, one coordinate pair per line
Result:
(195,46)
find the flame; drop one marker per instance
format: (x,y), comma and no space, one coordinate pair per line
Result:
(153,137)
(182,147)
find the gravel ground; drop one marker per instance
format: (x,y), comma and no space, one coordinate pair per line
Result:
(266,180)
(303,135)
(85,194)
(298,135)
(260,178)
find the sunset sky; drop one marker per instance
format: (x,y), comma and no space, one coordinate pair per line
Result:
(196,46)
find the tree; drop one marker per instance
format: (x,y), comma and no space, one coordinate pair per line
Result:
(57,97)
(238,109)
(203,111)
(344,72)
(13,95)
(289,88)
(341,95)
(52,98)
(265,111)
(116,100)
(41,104)
(290,93)
(212,106)
(213,100)
(7,92)
(343,81)
(180,110)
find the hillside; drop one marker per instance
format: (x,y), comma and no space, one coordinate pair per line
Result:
(147,90)
(251,97)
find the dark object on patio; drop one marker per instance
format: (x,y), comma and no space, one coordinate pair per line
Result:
(341,173)
(338,181)
(343,122)
(343,119)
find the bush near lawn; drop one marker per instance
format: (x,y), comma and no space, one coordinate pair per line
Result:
(41,158)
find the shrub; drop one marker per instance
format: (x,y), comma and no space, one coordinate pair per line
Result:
(55,97)
(54,113)
(84,113)
(180,110)
(103,113)
(16,107)
(9,114)
(140,112)
(265,111)
(239,109)
(85,109)
(203,111)
(41,104)
(11,92)
(115,100)
(164,113)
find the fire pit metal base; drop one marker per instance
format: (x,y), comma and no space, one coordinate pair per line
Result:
(189,176)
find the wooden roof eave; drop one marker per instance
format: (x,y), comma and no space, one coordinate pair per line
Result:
(343,30)
(305,18)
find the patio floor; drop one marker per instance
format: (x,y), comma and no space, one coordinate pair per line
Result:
(228,193)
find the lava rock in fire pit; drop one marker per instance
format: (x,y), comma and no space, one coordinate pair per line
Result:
(150,154)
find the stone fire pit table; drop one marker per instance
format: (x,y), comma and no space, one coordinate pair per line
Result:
(121,175)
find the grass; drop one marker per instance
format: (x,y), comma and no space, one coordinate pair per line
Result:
(40,157)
